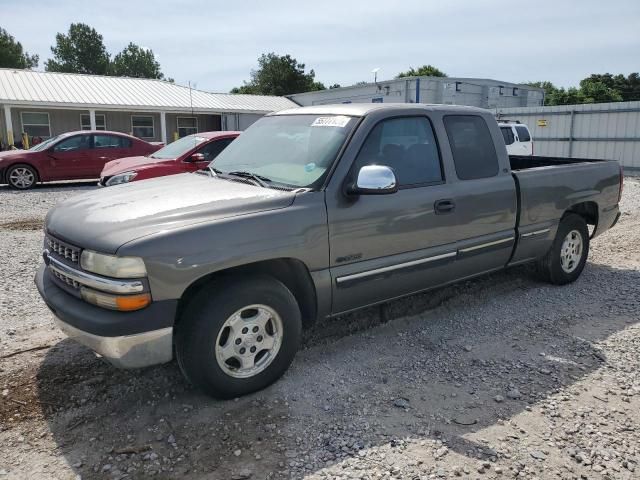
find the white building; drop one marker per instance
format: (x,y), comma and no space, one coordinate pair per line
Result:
(476,92)
(43,104)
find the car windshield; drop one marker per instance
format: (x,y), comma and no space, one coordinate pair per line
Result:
(44,145)
(292,150)
(178,148)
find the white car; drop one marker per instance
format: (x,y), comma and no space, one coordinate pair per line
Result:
(517,138)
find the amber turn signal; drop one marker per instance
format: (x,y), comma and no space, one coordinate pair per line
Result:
(123,303)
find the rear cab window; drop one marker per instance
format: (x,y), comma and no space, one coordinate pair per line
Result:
(472,147)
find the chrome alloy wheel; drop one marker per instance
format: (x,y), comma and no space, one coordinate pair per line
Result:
(21,177)
(571,251)
(249,341)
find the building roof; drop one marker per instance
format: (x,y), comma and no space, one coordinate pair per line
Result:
(26,87)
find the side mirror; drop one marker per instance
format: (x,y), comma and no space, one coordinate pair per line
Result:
(374,180)
(197,157)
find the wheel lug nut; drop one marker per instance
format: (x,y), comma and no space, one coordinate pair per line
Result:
(238,341)
(255,329)
(259,338)
(242,350)
(245,330)
(252,349)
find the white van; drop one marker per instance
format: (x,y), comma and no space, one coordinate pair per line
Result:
(517,137)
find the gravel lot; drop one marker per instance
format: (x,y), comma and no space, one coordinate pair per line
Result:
(500,377)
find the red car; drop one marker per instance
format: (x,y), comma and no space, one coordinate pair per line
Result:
(187,154)
(69,156)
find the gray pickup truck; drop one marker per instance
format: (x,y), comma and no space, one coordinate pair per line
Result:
(312,212)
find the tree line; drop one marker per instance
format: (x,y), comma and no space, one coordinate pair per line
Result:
(82,50)
(596,88)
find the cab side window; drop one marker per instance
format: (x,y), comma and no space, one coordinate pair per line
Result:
(474,153)
(75,143)
(408,146)
(523,134)
(508,135)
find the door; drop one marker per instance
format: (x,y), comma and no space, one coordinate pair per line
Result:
(106,148)
(484,194)
(70,157)
(384,246)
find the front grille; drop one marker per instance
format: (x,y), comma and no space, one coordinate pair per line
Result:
(62,250)
(64,279)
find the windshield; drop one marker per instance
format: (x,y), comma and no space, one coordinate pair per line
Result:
(178,148)
(44,145)
(293,150)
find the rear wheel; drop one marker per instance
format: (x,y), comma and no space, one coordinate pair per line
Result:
(568,254)
(22,177)
(239,339)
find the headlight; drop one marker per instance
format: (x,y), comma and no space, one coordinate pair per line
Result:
(125,177)
(112,266)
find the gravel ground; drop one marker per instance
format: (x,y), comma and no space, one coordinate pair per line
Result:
(500,377)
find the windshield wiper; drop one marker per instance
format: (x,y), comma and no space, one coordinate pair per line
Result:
(259,179)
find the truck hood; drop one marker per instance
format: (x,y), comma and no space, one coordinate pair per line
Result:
(127,164)
(107,218)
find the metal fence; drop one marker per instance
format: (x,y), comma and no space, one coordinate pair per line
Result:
(602,130)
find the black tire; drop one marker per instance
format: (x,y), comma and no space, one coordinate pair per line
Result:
(16,175)
(550,267)
(205,316)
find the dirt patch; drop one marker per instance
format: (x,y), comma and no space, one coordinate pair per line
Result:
(23,225)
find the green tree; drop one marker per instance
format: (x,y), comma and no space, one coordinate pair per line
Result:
(598,92)
(558,96)
(423,71)
(135,61)
(335,85)
(627,87)
(79,51)
(12,55)
(279,75)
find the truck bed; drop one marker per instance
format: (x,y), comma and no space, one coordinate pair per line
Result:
(521,162)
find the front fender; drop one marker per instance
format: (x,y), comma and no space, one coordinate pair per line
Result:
(176,258)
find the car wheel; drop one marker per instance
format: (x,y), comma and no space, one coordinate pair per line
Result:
(22,177)
(568,254)
(237,339)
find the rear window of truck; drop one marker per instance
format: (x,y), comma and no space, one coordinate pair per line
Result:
(474,153)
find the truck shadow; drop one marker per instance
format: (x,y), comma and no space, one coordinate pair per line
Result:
(430,370)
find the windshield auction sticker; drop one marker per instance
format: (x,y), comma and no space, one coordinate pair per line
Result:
(337,121)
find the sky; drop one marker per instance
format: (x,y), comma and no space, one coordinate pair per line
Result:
(215,44)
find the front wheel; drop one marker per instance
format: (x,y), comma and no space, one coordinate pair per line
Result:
(22,177)
(240,338)
(568,254)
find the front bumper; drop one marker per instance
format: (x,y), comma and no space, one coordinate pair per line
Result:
(130,351)
(126,339)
